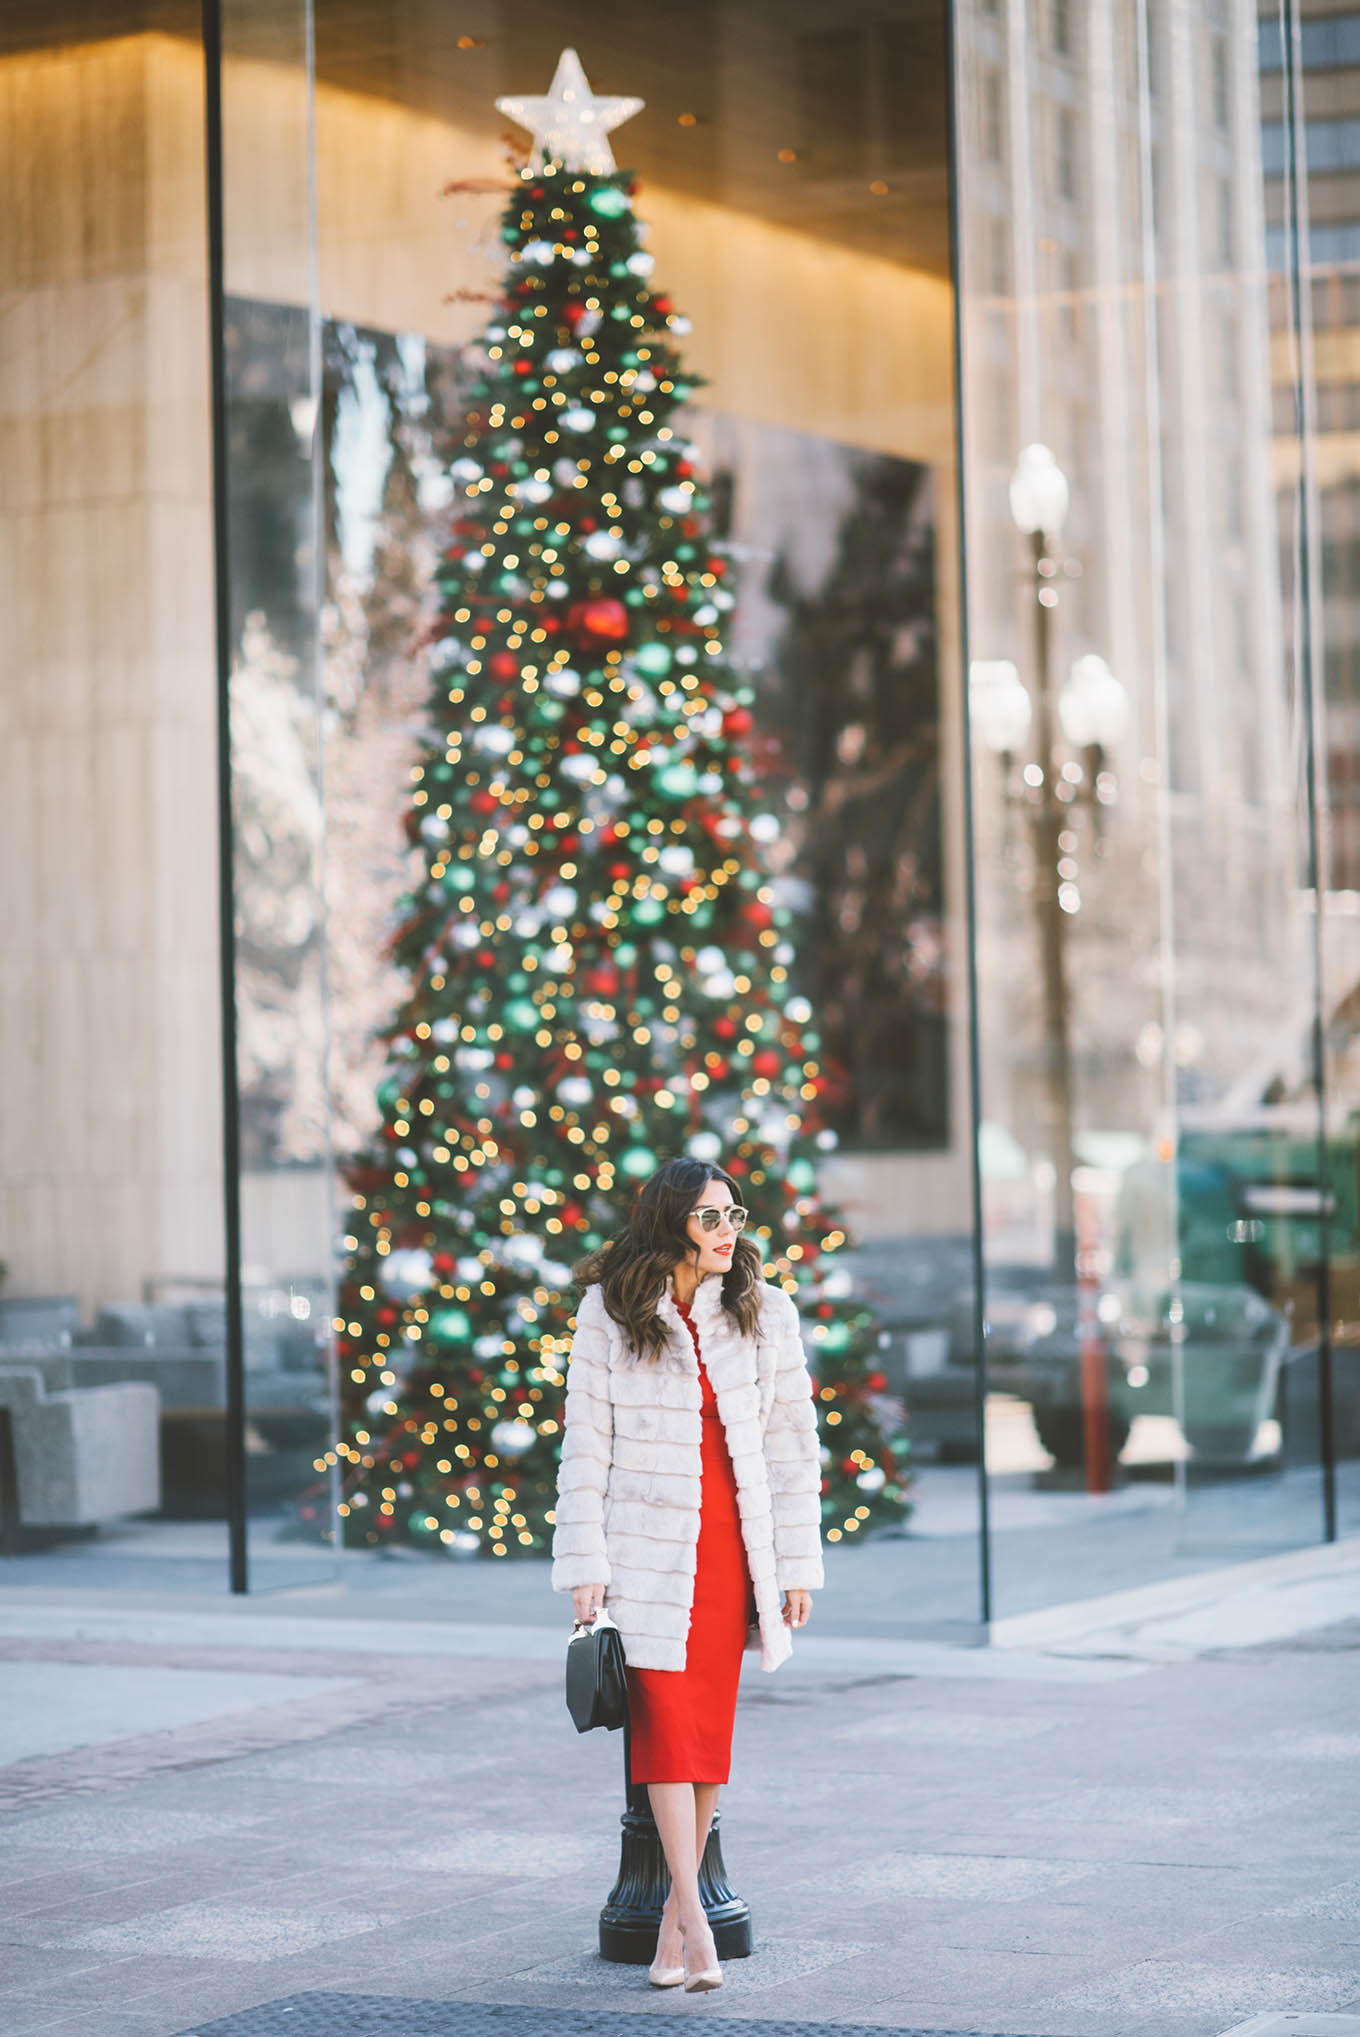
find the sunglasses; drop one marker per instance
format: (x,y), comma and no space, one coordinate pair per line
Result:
(710,1216)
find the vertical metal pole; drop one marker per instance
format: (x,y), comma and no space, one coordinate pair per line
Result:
(11,1530)
(1315,763)
(1049,821)
(226,908)
(970,914)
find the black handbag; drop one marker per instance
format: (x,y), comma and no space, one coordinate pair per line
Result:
(597,1686)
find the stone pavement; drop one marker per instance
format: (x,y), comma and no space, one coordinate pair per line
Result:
(243,1818)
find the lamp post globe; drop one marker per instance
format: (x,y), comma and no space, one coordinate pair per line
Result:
(999,704)
(1038,493)
(1093,706)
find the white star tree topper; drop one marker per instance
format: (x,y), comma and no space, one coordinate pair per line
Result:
(571,125)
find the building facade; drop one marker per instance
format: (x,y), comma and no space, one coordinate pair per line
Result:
(1023,346)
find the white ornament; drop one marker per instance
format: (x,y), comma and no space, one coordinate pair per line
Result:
(512,1439)
(578,418)
(872,1480)
(641,264)
(705,1146)
(603,544)
(561,361)
(532,491)
(539,251)
(495,738)
(571,124)
(406,1273)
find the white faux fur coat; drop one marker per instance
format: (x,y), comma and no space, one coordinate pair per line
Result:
(629,1484)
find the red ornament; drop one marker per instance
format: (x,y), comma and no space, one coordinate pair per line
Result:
(849,1466)
(483,802)
(876,1382)
(725,1028)
(573,1215)
(620,872)
(757,914)
(521,367)
(766,1062)
(573,313)
(504,665)
(504,1060)
(737,722)
(602,620)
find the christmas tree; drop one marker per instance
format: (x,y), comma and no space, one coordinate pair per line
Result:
(598,967)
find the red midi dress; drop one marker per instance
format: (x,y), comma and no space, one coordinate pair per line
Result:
(680,1720)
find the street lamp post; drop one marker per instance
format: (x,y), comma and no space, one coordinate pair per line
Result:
(1038,499)
(1091,710)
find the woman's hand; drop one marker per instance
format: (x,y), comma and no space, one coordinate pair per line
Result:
(797,1608)
(587,1600)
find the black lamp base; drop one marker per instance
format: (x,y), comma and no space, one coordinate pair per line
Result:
(631,1918)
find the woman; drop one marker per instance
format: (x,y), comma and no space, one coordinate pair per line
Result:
(688,1500)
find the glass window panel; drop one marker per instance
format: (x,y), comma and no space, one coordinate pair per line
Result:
(273,555)
(1145,773)
(793,178)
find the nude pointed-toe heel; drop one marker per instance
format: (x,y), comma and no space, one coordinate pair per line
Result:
(704,1979)
(665,1976)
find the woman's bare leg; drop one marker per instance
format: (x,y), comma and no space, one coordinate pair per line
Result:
(670,1939)
(676,1810)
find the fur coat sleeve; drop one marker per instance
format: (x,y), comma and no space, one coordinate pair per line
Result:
(793,1457)
(579,1555)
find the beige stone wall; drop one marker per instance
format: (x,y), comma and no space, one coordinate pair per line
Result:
(109,1119)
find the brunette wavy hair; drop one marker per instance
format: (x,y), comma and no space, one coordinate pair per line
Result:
(634,1265)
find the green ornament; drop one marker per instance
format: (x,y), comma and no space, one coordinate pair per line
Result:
(836,1338)
(637,1162)
(677,780)
(647,911)
(654,660)
(606,203)
(801,1174)
(625,954)
(520,1014)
